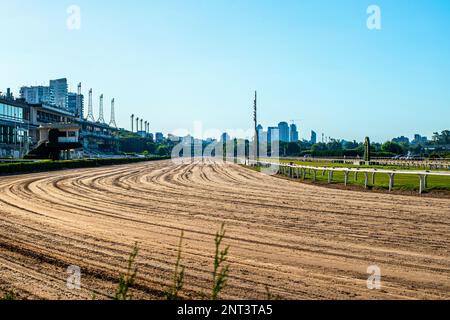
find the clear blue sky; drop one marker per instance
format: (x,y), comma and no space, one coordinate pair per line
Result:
(174,62)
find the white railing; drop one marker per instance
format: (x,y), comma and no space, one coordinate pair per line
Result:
(299,171)
(417,163)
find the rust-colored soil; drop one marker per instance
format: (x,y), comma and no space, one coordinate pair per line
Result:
(302,241)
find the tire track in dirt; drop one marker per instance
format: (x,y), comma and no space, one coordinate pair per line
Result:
(301,241)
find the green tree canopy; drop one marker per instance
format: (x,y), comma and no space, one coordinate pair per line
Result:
(393,147)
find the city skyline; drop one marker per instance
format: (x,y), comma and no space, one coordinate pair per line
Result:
(186,61)
(37,94)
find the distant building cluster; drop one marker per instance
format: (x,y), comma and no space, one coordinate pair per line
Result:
(283,132)
(56,94)
(418,140)
(25,122)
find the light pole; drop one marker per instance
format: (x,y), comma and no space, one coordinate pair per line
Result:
(255,118)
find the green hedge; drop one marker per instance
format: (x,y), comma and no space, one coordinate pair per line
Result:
(27,167)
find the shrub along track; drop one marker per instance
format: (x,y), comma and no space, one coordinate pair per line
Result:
(302,241)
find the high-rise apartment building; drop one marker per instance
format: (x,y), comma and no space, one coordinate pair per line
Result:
(36,94)
(225,138)
(273,134)
(262,135)
(284,131)
(293,134)
(59,96)
(313,137)
(75,104)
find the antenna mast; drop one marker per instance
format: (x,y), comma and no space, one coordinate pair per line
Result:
(79,103)
(255,119)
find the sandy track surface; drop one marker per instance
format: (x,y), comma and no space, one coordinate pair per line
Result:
(302,241)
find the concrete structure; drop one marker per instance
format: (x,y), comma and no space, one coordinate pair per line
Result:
(23,126)
(90,116)
(23,122)
(101,116)
(112,122)
(98,137)
(69,132)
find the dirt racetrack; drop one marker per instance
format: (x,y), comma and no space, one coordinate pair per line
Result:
(302,241)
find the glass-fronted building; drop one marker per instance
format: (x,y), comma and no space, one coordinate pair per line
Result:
(35,94)
(293,133)
(284,131)
(59,93)
(14,128)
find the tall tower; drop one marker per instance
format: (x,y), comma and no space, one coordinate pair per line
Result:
(101,117)
(255,119)
(112,123)
(137,124)
(79,103)
(145,126)
(132,123)
(90,116)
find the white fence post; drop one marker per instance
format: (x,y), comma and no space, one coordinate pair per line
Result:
(391,181)
(292,171)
